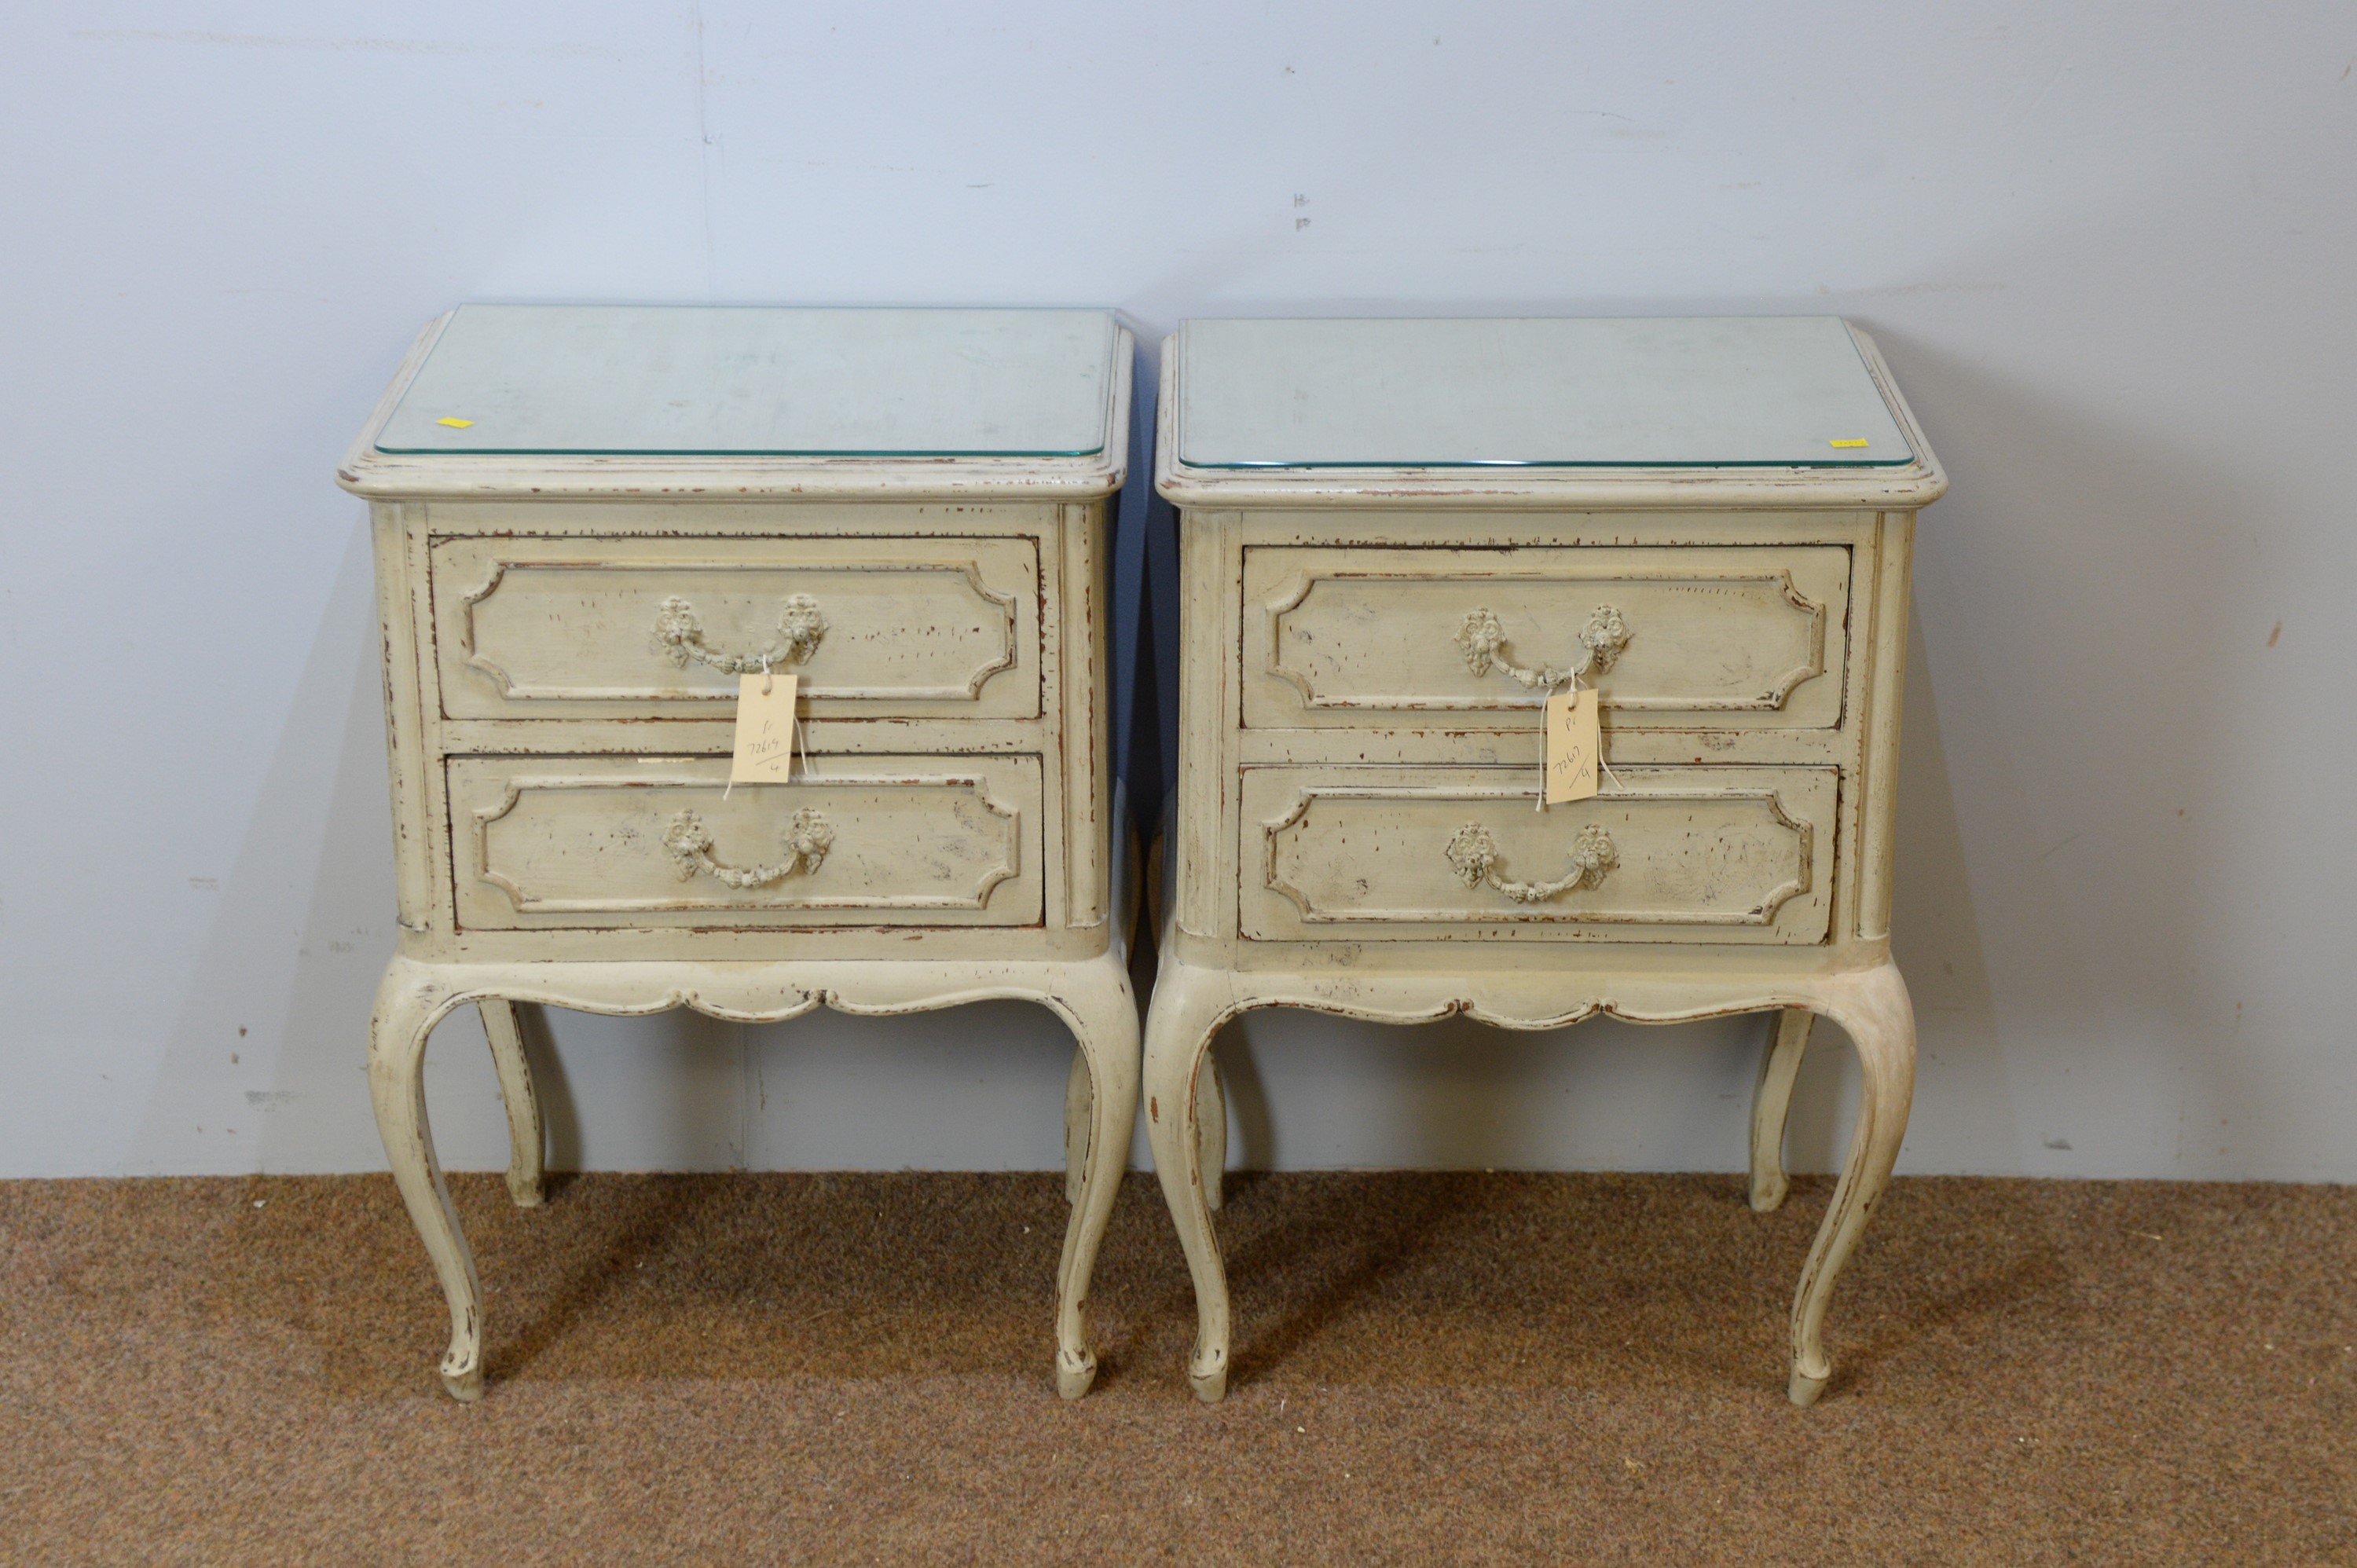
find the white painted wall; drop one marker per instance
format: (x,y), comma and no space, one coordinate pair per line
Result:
(2106,247)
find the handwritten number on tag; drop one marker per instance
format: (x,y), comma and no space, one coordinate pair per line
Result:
(1572,742)
(765,729)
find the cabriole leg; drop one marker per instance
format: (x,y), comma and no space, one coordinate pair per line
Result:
(1100,1112)
(1188,1006)
(408,1002)
(503,1027)
(1874,1010)
(1772,1104)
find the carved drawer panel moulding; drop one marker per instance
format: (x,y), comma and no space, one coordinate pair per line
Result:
(904,838)
(591,524)
(1691,637)
(1690,853)
(924,625)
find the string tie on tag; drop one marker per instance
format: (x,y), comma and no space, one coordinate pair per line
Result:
(1547,693)
(1618,788)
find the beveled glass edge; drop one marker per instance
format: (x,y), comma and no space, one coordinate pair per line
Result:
(1617,465)
(960,454)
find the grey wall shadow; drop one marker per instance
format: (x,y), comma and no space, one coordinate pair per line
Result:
(979,1086)
(1305,1089)
(2034,901)
(1936,943)
(268,1056)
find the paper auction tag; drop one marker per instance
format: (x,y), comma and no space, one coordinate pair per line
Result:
(765,729)
(1572,742)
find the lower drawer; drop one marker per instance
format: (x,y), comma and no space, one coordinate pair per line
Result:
(599,841)
(1675,855)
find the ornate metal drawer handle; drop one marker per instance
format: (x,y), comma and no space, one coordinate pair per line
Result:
(1484,642)
(807,839)
(1475,858)
(679,637)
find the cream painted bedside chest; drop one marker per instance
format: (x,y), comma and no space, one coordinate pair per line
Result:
(590,523)
(1396,538)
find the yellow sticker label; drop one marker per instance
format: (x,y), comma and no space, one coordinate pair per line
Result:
(1851,441)
(1572,743)
(765,729)
(462,423)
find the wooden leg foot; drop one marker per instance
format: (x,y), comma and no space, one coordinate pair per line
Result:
(1075,1370)
(1207,1373)
(465,1385)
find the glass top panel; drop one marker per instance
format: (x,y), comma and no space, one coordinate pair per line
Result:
(657,380)
(1668,392)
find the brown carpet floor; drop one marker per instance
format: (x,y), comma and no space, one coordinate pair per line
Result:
(1430,1369)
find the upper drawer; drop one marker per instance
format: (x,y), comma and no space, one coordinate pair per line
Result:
(621,842)
(658,628)
(1701,637)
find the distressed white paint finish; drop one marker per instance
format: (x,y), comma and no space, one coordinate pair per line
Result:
(565,831)
(1388,865)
